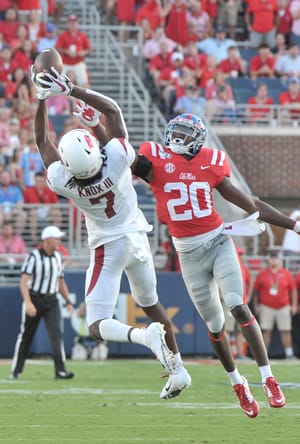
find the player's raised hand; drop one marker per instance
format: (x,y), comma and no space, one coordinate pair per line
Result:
(41,93)
(54,83)
(87,114)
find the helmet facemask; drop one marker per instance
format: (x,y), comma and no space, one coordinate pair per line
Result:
(185,135)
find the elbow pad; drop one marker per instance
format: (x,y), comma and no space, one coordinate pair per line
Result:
(142,167)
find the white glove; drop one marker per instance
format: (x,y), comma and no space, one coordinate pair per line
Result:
(56,85)
(41,93)
(87,114)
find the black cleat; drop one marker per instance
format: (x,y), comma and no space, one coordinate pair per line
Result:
(64,375)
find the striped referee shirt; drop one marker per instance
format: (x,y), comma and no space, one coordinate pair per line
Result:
(45,271)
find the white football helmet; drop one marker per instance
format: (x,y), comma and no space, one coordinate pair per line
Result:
(80,153)
(185,134)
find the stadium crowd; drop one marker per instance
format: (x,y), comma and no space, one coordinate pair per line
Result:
(187,43)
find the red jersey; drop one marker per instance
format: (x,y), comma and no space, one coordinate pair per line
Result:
(183,188)
(260,110)
(285,98)
(264,12)
(79,39)
(159,62)
(256,63)
(126,10)
(8,30)
(274,289)
(28,5)
(228,65)
(150,12)
(31,195)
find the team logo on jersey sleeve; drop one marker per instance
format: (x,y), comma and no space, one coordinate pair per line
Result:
(169,167)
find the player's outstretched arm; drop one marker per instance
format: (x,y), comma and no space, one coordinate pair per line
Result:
(267,213)
(53,83)
(114,121)
(46,148)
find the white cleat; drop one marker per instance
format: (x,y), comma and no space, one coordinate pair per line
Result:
(155,340)
(175,384)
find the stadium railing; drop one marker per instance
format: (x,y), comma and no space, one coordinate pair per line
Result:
(279,116)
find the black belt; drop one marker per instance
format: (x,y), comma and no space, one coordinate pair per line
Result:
(41,295)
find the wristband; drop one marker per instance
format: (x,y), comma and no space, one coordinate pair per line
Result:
(297,226)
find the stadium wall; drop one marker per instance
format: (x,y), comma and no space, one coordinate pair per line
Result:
(269,163)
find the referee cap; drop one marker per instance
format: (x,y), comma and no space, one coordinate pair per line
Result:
(51,231)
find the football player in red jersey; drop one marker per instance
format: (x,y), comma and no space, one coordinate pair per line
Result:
(183,174)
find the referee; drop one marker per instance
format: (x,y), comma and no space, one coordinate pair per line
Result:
(41,279)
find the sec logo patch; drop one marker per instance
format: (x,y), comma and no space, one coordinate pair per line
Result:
(169,167)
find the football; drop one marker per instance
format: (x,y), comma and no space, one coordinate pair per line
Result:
(47,58)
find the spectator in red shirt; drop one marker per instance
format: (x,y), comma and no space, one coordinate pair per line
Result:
(152,12)
(234,65)
(195,61)
(12,249)
(285,19)
(6,65)
(24,8)
(21,35)
(262,19)
(125,16)
(74,46)
(170,81)
(290,102)
(41,195)
(159,62)
(262,64)
(216,81)
(259,111)
(9,25)
(275,299)
(24,57)
(177,22)
(209,72)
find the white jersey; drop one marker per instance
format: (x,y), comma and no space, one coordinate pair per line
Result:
(110,203)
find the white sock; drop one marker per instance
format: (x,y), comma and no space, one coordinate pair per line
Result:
(113,330)
(235,377)
(265,371)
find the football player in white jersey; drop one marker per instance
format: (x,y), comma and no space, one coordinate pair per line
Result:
(97,178)
(183,174)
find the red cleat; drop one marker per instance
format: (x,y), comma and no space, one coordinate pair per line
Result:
(273,391)
(247,402)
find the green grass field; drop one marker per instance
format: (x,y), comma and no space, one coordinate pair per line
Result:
(117,401)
